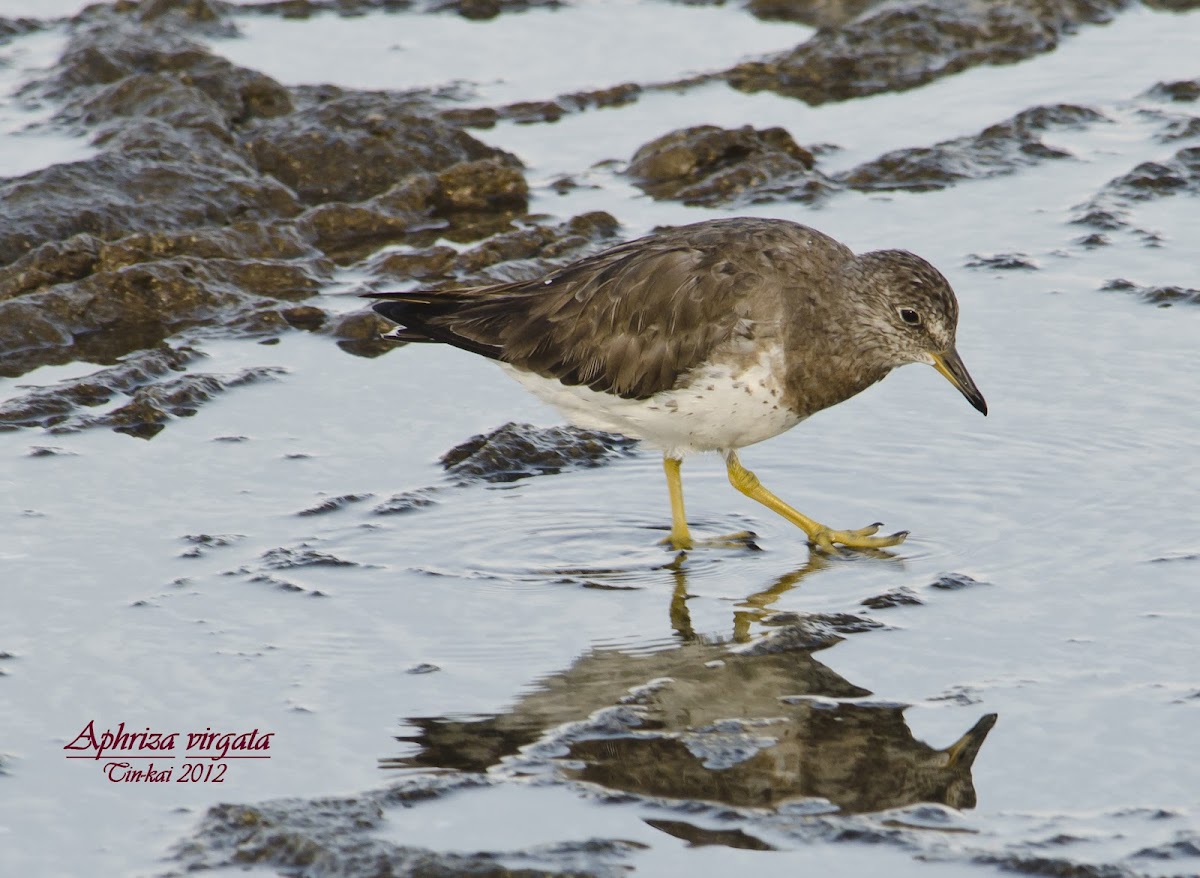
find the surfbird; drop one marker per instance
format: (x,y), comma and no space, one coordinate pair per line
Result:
(706,337)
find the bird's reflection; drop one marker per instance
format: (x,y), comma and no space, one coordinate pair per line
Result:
(757,722)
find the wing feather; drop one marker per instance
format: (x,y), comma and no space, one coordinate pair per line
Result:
(629,320)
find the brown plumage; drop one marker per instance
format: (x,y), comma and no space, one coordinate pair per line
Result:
(630,320)
(657,338)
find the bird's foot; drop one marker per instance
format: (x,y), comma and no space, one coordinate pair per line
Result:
(678,542)
(743,539)
(825,539)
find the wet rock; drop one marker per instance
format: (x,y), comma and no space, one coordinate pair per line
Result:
(1110,208)
(960,695)
(1186,845)
(356,145)
(154,95)
(303,9)
(1002,262)
(518,451)
(422,264)
(307,317)
(153,405)
(18,27)
(150,177)
(1098,218)
(998,149)
(481,10)
(214,540)
(407,501)
(51,263)
(422,668)
(47,406)
(532,112)
(596,225)
(471,117)
(487,184)
(1181,91)
(284,558)
(898,597)
(1094,240)
(1051,867)
(333,504)
(342,837)
(521,244)
(248,240)
(188,12)
(109,44)
(898,46)
(476,196)
(111,313)
(361,333)
(815,13)
(48,451)
(1163,297)
(201,543)
(697,836)
(564,184)
(1154,180)
(809,634)
(25,329)
(1173,5)
(532,250)
(281,584)
(710,165)
(113,298)
(346,231)
(181,220)
(954,581)
(1179,128)
(613,96)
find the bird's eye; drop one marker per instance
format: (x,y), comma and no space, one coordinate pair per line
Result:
(909,316)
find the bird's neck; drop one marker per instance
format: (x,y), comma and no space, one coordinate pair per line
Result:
(830,365)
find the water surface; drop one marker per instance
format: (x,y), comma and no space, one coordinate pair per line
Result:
(1072,506)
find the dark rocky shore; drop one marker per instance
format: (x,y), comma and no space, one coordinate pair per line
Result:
(220,202)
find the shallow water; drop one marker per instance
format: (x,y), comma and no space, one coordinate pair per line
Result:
(1073,505)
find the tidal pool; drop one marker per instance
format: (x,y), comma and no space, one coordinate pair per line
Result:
(611,705)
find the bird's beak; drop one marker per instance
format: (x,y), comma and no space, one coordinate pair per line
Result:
(951,365)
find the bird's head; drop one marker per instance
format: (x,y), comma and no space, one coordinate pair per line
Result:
(914,315)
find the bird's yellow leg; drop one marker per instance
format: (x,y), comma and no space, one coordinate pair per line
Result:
(679,538)
(820,536)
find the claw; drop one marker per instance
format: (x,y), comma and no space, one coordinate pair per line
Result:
(865,531)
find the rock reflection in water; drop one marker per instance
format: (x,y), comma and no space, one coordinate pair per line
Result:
(756,724)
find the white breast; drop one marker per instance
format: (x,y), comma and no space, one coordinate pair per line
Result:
(722,407)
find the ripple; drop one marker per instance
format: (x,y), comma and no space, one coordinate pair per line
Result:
(591,549)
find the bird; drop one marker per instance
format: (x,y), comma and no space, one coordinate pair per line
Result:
(710,336)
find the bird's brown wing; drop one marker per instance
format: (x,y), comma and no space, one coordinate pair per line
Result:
(628,321)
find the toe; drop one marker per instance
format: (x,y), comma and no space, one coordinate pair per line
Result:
(863,538)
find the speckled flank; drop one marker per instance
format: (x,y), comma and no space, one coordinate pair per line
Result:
(719,406)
